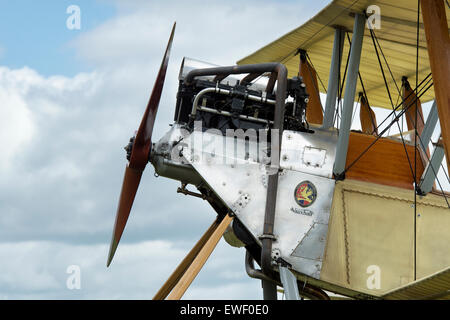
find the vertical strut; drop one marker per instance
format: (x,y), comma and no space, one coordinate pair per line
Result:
(349,96)
(333,80)
(429,175)
(289,282)
(429,127)
(269,290)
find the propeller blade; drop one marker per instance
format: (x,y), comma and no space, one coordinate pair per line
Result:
(130,184)
(142,142)
(200,260)
(140,152)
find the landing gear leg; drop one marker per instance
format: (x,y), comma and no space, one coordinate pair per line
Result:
(269,290)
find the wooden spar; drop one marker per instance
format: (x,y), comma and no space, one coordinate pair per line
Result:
(193,270)
(438,44)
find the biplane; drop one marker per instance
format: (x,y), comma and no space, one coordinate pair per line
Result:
(317,206)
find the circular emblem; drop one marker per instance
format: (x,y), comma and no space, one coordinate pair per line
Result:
(305,194)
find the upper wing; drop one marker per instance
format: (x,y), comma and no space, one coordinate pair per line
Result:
(397,38)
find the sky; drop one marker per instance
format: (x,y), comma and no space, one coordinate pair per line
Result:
(69,101)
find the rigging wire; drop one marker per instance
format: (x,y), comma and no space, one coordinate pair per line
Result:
(294,52)
(341,85)
(425,80)
(375,40)
(424,89)
(415,144)
(399,90)
(424,148)
(374,37)
(401,134)
(318,76)
(323,27)
(423,120)
(390,97)
(358,103)
(314,83)
(342,81)
(336,111)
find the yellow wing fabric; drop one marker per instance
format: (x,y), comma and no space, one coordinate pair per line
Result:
(396,36)
(436,286)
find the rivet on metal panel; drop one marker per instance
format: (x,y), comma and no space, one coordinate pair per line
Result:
(276,254)
(240,203)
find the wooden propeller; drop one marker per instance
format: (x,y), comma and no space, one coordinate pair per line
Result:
(140,153)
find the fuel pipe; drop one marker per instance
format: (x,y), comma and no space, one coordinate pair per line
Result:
(272,185)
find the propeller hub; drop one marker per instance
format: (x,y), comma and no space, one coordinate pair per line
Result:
(129,147)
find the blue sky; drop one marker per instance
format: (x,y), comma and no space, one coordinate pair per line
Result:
(34,33)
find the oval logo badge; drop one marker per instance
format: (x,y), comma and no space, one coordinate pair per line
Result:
(305,194)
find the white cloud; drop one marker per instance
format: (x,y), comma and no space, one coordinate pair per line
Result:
(58,196)
(37,270)
(209,30)
(64,159)
(17,127)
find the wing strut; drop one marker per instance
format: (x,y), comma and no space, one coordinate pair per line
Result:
(180,280)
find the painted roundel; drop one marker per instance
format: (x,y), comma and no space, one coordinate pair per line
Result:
(305,194)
